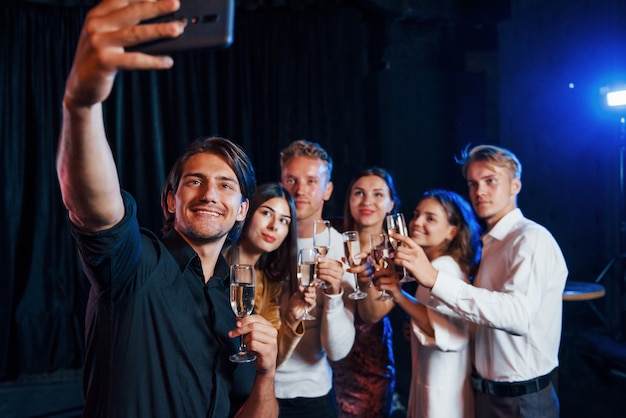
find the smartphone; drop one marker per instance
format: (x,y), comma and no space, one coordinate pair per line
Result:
(209,25)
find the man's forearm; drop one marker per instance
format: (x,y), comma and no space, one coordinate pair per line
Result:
(86,169)
(262,401)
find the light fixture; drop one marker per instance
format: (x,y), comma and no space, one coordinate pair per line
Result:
(616,98)
(614,95)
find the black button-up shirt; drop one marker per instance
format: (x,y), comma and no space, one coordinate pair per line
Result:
(156,334)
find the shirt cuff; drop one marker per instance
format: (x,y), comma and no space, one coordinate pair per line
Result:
(333,302)
(446,288)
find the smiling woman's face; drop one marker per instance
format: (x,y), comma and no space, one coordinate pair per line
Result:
(370,201)
(430,227)
(269,225)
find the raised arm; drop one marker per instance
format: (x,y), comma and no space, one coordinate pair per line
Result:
(85,166)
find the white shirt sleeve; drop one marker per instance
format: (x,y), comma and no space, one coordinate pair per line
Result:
(508,292)
(450,330)
(337,328)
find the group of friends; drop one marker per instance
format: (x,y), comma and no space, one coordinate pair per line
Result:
(484,324)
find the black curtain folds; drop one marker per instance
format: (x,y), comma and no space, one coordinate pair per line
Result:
(290,74)
(39,290)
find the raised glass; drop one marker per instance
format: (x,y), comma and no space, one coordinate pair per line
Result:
(352,247)
(321,243)
(380,253)
(307,266)
(397,225)
(242,303)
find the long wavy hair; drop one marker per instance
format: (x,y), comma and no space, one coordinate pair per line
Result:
(465,247)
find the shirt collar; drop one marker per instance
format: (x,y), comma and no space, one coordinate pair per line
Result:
(504,225)
(186,257)
(178,247)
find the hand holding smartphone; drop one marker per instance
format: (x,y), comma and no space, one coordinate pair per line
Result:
(209,25)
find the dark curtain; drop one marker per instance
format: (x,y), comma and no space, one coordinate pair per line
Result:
(291,73)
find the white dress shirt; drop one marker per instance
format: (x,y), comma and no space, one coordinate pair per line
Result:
(307,373)
(516,300)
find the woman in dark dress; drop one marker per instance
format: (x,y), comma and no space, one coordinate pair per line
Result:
(364,381)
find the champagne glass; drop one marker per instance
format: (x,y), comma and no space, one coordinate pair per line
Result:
(397,225)
(242,303)
(307,263)
(321,243)
(381,256)
(352,246)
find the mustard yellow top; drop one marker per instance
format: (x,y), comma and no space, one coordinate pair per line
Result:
(267,298)
(267,295)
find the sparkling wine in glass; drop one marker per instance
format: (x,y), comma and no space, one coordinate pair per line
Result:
(307,264)
(397,225)
(321,243)
(242,303)
(352,247)
(380,252)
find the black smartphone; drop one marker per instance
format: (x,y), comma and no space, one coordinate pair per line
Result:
(209,25)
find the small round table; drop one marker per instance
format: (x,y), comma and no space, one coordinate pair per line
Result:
(585,291)
(575,291)
(580,292)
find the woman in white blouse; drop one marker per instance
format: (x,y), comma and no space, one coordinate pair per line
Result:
(445,227)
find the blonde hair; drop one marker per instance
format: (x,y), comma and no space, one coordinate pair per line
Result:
(490,154)
(313,150)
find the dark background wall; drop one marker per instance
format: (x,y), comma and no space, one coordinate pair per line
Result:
(553,61)
(401,84)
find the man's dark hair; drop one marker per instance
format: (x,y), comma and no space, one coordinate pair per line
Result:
(236,159)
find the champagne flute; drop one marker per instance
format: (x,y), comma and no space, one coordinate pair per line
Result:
(352,246)
(397,225)
(381,256)
(242,303)
(321,243)
(307,264)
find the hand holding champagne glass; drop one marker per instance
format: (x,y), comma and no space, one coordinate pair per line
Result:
(352,246)
(381,256)
(242,303)
(307,263)
(321,243)
(397,225)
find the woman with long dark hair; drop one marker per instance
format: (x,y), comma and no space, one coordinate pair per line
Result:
(364,380)
(268,242)
(447,230)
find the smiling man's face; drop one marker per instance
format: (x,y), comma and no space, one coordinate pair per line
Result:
(208,201)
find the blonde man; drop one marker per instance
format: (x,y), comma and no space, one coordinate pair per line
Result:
(516,298)
(304,381)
